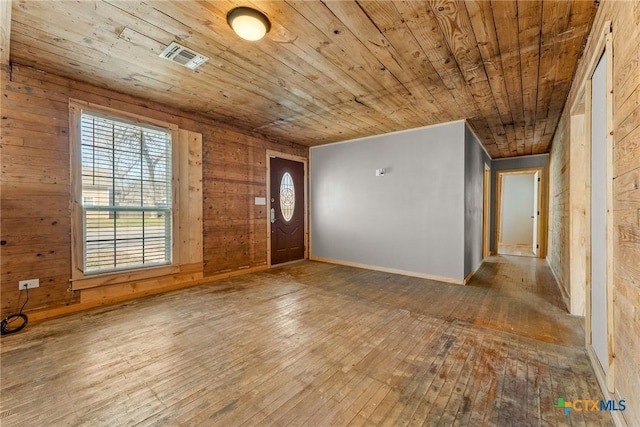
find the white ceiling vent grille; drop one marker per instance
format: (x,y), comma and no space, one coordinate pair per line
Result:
(183,56)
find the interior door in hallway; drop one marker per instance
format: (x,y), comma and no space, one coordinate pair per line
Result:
(486,188)
(516,227)
(599,205)
(535,214)
(286,210)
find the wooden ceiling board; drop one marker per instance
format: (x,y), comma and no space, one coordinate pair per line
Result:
(112,63)
(555,19)
(335,76)
(481,17)
(529,29)
(423,26)
(327,71)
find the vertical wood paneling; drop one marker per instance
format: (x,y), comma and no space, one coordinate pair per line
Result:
(579,189)
(625,21)
(189,158)
(195,199)
(559,173)
(182,216)
(36,227)
(75,196)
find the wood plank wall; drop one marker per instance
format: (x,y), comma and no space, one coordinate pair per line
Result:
(35,185)
(559,235)
(625,20)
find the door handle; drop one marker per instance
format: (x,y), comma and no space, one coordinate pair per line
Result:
(273,215)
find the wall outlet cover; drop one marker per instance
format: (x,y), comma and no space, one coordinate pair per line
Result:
(28,284)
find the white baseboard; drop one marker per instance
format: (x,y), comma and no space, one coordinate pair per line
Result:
(472,273)
(618,417)
(388,270)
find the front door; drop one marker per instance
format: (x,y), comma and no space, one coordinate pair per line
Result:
(286,210)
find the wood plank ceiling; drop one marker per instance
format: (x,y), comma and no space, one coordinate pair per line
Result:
(328,71)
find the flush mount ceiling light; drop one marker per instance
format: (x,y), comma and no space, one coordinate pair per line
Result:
(248,23)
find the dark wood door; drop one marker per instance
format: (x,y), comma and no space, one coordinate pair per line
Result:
(287,210)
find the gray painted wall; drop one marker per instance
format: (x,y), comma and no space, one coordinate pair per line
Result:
(411,219)
(474,160)
(541,160)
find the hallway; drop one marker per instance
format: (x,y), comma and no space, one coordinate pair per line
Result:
(312,344)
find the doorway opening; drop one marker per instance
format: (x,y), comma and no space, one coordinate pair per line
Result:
(591,260)
(486,212)
(518,213)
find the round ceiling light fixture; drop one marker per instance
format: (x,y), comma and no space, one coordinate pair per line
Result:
(248,23)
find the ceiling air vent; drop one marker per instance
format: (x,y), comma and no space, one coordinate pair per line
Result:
(183,56)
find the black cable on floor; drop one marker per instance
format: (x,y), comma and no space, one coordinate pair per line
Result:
(7,327)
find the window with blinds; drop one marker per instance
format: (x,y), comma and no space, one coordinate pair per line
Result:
(126,194)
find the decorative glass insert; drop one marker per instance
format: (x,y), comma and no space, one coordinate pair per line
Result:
(287,196)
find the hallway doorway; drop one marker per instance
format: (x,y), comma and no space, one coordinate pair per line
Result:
(518,222)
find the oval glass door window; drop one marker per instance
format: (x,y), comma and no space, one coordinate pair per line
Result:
(287,196)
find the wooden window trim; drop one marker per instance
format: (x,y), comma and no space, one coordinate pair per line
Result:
(186,239)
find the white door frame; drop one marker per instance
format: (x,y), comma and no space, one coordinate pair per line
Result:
(541,198)
(537,179)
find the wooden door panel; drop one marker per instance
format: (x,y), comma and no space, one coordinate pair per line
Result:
(287,236)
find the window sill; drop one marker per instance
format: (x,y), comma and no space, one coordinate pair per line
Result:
(115,278)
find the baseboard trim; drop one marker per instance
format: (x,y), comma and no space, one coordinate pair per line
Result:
(287,263)
(517,245)
(388,270)
(472,273)
(49,313)
(618,417)
(565,296)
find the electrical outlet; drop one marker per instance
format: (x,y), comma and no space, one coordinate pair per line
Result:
(29,284)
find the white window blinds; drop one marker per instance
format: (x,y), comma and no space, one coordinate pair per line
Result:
(126,194)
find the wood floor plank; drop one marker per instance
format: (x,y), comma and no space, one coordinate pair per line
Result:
(311,344)
(455,402)
(453,355)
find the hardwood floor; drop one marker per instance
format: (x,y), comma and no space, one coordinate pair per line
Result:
(311,344)
(519,250)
